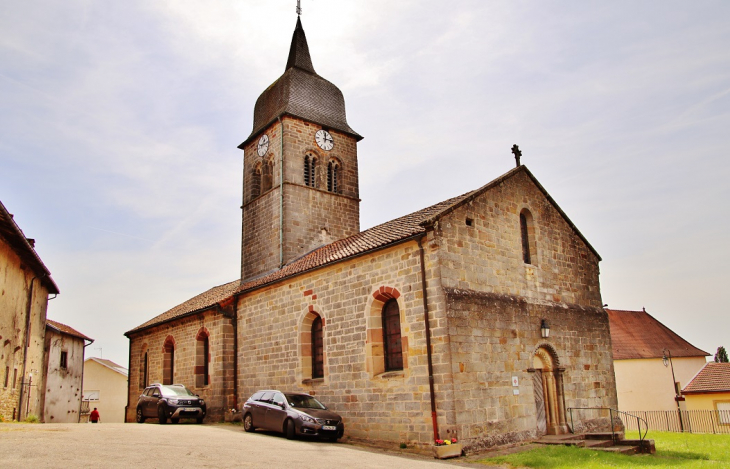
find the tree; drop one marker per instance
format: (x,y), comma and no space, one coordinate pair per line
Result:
(721,355)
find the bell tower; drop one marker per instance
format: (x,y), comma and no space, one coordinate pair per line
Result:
(300,176)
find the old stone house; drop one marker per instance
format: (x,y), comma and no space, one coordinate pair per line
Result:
(64,368)
(432,324)
(25,284)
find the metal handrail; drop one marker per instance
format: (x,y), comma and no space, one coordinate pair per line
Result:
(611,413)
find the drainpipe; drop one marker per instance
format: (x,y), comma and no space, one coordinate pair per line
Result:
(83,355)
(281,194)
(428,341)
(129,375)
(235,354)
(28,307)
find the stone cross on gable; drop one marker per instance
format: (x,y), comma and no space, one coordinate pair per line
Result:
(516,151)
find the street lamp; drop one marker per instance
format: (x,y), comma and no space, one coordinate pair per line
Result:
(544,329)
(667,360)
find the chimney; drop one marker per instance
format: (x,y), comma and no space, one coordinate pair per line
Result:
(31,241)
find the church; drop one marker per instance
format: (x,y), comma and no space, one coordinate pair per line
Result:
(478,318)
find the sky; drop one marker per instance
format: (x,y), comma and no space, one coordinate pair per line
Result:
(119,123)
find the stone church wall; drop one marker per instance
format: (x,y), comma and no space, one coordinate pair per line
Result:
(487,256)
(496,303)
(494,338)
(393,406)
(218,394)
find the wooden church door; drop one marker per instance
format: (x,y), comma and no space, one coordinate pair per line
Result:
(539,402)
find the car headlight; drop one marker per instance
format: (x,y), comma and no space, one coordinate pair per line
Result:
(201,402)
(172,401)
(308,419)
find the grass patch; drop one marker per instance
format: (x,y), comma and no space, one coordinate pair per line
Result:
(673,450)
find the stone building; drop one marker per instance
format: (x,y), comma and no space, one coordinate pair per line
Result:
(64,368)
(26,284)
(434,324)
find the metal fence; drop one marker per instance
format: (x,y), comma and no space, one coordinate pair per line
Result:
(690,421)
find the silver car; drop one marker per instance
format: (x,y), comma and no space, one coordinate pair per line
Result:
(291,413)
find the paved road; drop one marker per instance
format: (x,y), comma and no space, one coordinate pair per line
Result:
(119,445)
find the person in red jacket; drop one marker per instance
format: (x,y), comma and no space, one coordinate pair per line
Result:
(94,416)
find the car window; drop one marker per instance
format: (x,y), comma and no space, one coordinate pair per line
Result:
(257,396)
(176,391)
(303,401)
(155,392)
(278,399)
(266,397)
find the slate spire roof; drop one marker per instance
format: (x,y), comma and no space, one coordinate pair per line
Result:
(299,51)
(300,92)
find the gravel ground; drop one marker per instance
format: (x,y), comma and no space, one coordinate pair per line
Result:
(120,445)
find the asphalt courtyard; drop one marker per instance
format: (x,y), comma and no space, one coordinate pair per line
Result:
(149,445)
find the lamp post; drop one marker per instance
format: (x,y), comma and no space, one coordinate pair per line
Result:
(544,329)
(667,362)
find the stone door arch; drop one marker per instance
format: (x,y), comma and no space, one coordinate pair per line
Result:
(547,379)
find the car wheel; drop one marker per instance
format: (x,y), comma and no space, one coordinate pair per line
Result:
(162,415)
(140,415)
(248,423)
(289,430)
(199,420)
(332,439)
(174,420)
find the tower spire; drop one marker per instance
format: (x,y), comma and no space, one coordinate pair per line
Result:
(299,50)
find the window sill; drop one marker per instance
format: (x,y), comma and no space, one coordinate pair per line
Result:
(312,381)
(391,374)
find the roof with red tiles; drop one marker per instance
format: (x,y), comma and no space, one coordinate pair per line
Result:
(713,377)
(636,334)
(388,234)
(64,329)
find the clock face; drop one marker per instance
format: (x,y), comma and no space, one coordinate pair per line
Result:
(263,145)
(324,140)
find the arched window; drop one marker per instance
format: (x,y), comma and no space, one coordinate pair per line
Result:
(256,182)
(202,359)
(333,176)
(144,364)
(267,176)
(317,349)
(392,336)
(527,235)
(168,361)
(310,170)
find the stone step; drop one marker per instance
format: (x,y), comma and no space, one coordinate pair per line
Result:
(578,443)
(603,436)
(619,449)
(598,443)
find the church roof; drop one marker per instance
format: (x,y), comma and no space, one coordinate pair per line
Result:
(713,377)
(300,92)
(378,237)
(636,334)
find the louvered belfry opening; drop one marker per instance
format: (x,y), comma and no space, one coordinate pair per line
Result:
(310,170)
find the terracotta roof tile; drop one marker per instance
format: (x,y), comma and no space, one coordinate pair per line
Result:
(66,330)
(194,304)
(636,334)
(713,377)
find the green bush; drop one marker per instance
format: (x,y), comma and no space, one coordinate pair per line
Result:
(31,418)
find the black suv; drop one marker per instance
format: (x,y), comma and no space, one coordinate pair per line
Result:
(169,401)
(291,413)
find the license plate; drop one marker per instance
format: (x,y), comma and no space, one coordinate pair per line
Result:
(329,427)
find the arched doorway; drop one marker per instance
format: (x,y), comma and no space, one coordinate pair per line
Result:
(547,379)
